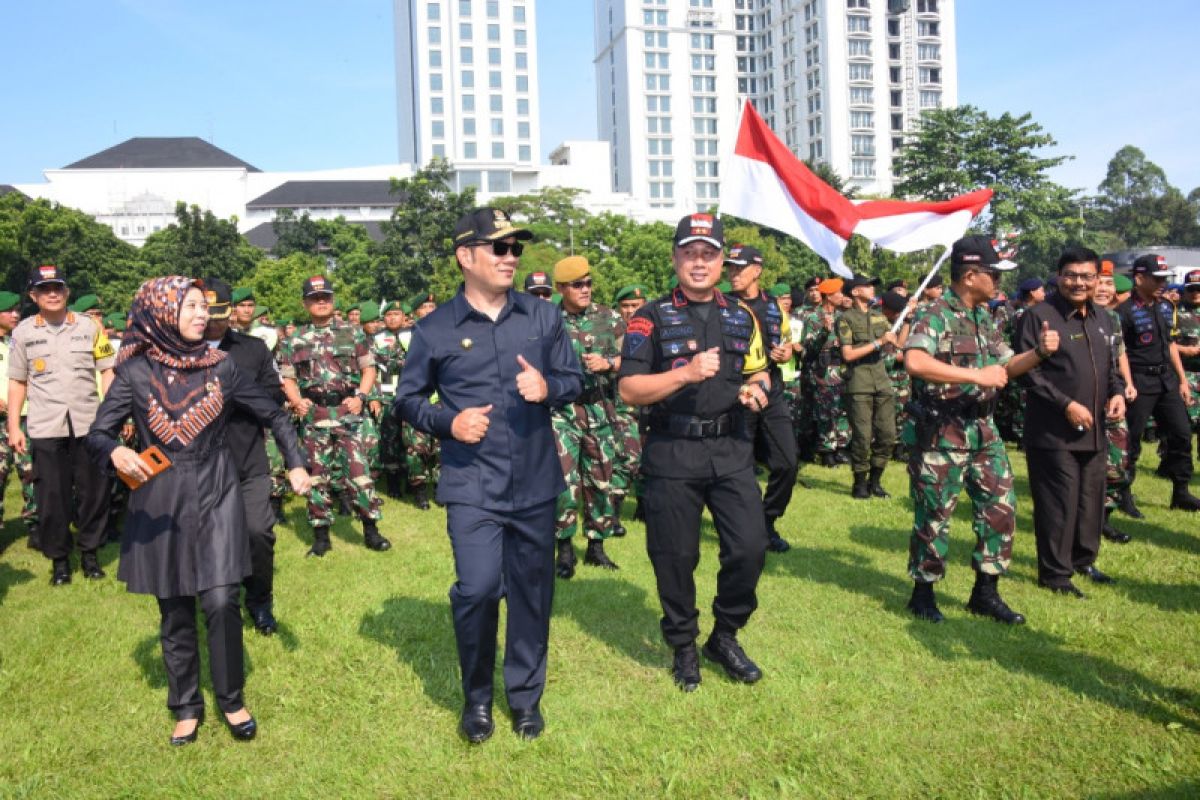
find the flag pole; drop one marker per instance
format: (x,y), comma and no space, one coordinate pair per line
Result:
(937,265)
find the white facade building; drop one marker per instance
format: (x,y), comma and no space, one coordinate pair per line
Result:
(838,80)
(466,82)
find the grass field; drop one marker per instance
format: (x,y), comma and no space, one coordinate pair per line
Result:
(357,696)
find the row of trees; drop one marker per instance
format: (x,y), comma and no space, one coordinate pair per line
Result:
(951,152)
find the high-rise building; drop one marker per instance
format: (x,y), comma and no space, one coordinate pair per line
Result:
(838,80)
(466,80)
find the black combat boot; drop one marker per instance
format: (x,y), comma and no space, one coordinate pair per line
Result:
(35,537)
(1111,533)
(985,601)
(922,603)
(775,542)
(686,668)
(1127,506)
(828,459)
(321,544)
(345,505)
(1182,499)
(639,513)
(874,485)
(596,557)
(89,565)
(860,491)
(420,496)
(373,539)
(394,487)
(618,528)
(564,565)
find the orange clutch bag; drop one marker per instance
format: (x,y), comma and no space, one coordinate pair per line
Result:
(154,461)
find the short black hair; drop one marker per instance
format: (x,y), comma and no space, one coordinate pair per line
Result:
(1077,254)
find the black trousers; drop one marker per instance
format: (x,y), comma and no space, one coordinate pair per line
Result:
(68,485)
(1173,428)
(260,527)
(775,446)
(673,507)
(181,652)
(507,554)
(1068,510)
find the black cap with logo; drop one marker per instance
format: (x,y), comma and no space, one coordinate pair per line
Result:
(317,284)
(219,295)
(486,225)
(700,228)
(47,273)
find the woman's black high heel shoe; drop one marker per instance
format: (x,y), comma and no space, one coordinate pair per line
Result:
(242,731)
(180,741)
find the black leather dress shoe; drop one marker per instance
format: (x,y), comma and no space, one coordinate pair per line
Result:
(1095,575)
(564,563)
(778,544)
(724,649)
(180,741)
(264,620)
(60,575)
(242,731)
(378,543)
(1064,588)
(89,565)
(686,669)
(476,723)
(528,723)
(1114,535)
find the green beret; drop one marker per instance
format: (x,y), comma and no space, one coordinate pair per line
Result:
(116,320)
(780,289)
(241,294)
(634,291)
(85,303)
(9,301)
(725,287)
(261,311)
(395,305)
(369,311)
(406,308)
(1122,283)
(417,300)
(338,305)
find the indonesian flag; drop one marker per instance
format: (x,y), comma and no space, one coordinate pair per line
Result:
(905,227)
(765,183)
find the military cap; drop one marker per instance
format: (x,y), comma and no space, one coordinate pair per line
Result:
(780,289)
(1151,264)
(571,268)
(47,273)
(241,294)
(1029,285)
(261,311)
(85,303)
(395,305)
(9,301)
(116,320)
(812,283)
(831,285)
(1192,280)
(538,280)
(700,227)
(368,311)
(741,255)
(317,284)
(634,291)
(894,301)
(486,225)
(1122,283)
(218,293)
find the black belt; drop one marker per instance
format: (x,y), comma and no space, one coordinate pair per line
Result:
(1155,369)
(689,427)
(965,411)
(329,399)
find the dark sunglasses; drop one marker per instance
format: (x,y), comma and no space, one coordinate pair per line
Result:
(540,292)
(582,283)
(503,248)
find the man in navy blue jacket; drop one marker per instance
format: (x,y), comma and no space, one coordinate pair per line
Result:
(499,361)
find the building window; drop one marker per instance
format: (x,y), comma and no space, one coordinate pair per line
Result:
(435,34)
(468,126)
(930,75)
(894,51)
(433,12)
(857,24)
(862,95)
(499,181)
(467,79)
(860,72)
(897,99)
(494,56)
(927,28)
(894,28)
(435,81)
(525,153)
(862,167)
(522,130)
(464,8)
(704,127)
(496,103)
(435,59)
(897,122)
(466,55)
(522,83)
(519,37)
(436,105)
(862,145)
(704,147)
(439,151)
(858,4)
(493,33)
(931,99)
(497,127)
(468,103)
(927,7)
(704,63)
(706,169)
(470,177)
(519,14)
(522,107)
(816,150)
(929,52)
(493,9)
(860,47)
(894,74)
(522,60)
(494,80)
(497,149)
(464,31)
(469,150)
(862,119)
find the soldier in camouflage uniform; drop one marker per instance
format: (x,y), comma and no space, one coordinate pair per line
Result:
(958,361)
(421,452)
(1116,431)
(328,374)
(389,348)
(1010,410)
(1189,346)
(583,429)
(10,315)
(893,304)
(823,359)
(626,423)
(799,393)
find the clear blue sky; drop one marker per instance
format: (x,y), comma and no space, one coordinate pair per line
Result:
(309,84)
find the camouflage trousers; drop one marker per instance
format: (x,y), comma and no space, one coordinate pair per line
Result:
(936,478)
(421,456)
(829,412)
(337,445)
(587,451)
(1116,476)
(391,458)
(280,485)
(1193,410)
(628,458)
(9,461)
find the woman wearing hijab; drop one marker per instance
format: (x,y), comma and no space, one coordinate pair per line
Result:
(184,537)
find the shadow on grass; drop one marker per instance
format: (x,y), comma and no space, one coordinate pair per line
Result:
(422,634)
(1186,788)
(894,541)
(614,612)
(1024,650)
(147,654)
(10,577)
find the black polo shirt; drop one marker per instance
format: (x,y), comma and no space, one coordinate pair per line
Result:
(244,433)
(1148,346)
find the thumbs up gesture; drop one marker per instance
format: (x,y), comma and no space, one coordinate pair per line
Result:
(530,383)
(1048,341)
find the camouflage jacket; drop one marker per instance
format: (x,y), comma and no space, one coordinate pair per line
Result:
(954,334)
(819,346)
(1189,334)
(596,329)
(325,361)
(389,350)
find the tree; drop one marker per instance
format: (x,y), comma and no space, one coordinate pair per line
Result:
(956,150)
(277,282)
(200,245)
(1140,207)
(419,234)
(294,234)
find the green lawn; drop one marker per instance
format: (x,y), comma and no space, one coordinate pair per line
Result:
(357,696)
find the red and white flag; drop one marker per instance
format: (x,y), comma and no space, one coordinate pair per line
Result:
(763,182)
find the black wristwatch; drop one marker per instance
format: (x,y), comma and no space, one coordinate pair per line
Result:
(362,397)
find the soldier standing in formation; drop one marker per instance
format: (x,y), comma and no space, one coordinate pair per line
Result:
(863,333)
(420,448)
(892,304)
(388,348)
(823,360)
(583,428)
(1116,431)
(627,423)
(244,306)
(328,373)
(10,315)
(1189,346)
(959,361)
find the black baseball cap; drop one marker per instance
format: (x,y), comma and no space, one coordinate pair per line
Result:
(539,281)
(486,225)
(897,284)
(1151,264)
(893,301)
(47,273)
(1192,280)
(700,228)
(935,282)
(812,283)
(317,284)
(857,281)
(978,251)
(219,295)
(741,255)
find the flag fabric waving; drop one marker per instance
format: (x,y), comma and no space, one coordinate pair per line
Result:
(765,183)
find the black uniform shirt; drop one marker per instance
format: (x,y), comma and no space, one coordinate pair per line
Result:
(244,434)
(1148,346)
(771,320)
(666,334)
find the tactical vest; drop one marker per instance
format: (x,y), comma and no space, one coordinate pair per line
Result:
(678,339)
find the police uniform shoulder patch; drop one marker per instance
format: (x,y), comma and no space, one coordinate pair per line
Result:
(636,333)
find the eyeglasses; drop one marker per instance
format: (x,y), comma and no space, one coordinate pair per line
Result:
(502,249)
(582,283)
(994,274)
(1078,277)
(51,288)
(540,292)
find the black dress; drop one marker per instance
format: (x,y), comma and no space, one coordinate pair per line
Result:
(184,529)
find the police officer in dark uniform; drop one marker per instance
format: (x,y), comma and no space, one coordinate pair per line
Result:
(771,429)
(1162,388)
(696,358)
(500,361)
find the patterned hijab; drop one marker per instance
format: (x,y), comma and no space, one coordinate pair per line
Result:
(183,397)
